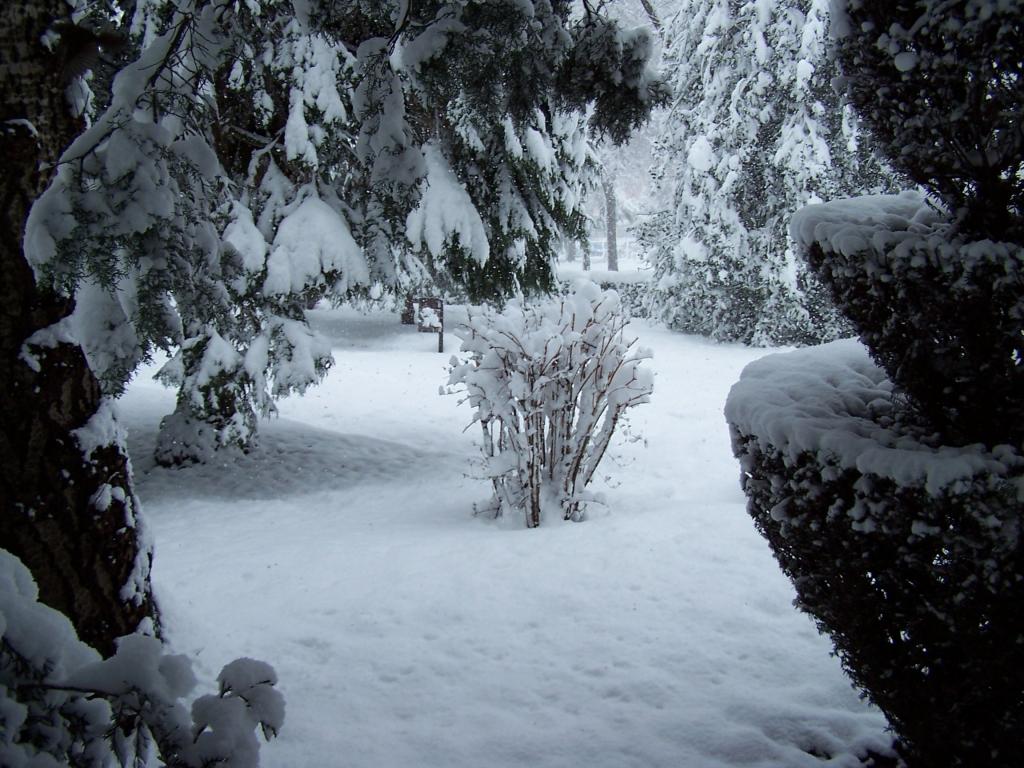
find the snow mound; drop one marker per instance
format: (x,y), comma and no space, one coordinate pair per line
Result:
(834,402)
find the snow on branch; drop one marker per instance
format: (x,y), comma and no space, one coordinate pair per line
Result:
(61,704)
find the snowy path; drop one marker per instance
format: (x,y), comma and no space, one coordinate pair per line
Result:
(408,633)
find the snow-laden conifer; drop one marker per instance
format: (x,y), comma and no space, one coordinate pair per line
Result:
(754,133)
(259,156)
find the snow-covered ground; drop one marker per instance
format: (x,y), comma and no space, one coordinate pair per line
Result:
(407,632)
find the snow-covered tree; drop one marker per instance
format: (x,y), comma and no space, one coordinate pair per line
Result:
(497,96)
(207,241)
(753,134)
(261,155)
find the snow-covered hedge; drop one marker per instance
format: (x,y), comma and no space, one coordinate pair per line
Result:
(896,508)
(61,704)
(632,288)
(907,552)
(942,314)
(550,382)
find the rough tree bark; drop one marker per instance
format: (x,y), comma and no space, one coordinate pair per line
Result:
(69,516)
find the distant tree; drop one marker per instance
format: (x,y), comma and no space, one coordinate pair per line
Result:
(753,134)
(611,221)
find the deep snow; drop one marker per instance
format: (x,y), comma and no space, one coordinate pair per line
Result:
(407,632)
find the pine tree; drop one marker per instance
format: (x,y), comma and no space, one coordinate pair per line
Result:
(262,155)
(753,135)
(500,92)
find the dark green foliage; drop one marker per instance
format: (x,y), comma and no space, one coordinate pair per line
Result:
(925,606)
(609,69)
(946,321)
(920,583)
(941,86)
(475,80)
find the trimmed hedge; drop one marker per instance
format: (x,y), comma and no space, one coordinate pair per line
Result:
(896,508)
(943,315)
(908,554)
(940,85)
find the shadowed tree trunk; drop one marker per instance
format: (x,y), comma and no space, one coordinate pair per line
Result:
(610,221)
(67,508)
(652,15)
(570,249)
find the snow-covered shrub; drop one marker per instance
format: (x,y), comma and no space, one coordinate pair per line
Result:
(893,497)
(550,383)
(632,294)
(62,704)
(631,288)
(906,551)
(942,313)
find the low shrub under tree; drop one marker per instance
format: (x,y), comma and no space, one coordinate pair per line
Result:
(62,704)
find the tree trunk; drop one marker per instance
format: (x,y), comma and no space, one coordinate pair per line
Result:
(653,16)
(611,243)
(68,509)
(570,249)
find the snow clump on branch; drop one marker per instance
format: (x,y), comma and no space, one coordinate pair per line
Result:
(61,704)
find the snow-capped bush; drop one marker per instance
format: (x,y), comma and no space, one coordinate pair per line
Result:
(901,526)
(631,288)
(62,704)
(550,383)
(944,315)
(906,551)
